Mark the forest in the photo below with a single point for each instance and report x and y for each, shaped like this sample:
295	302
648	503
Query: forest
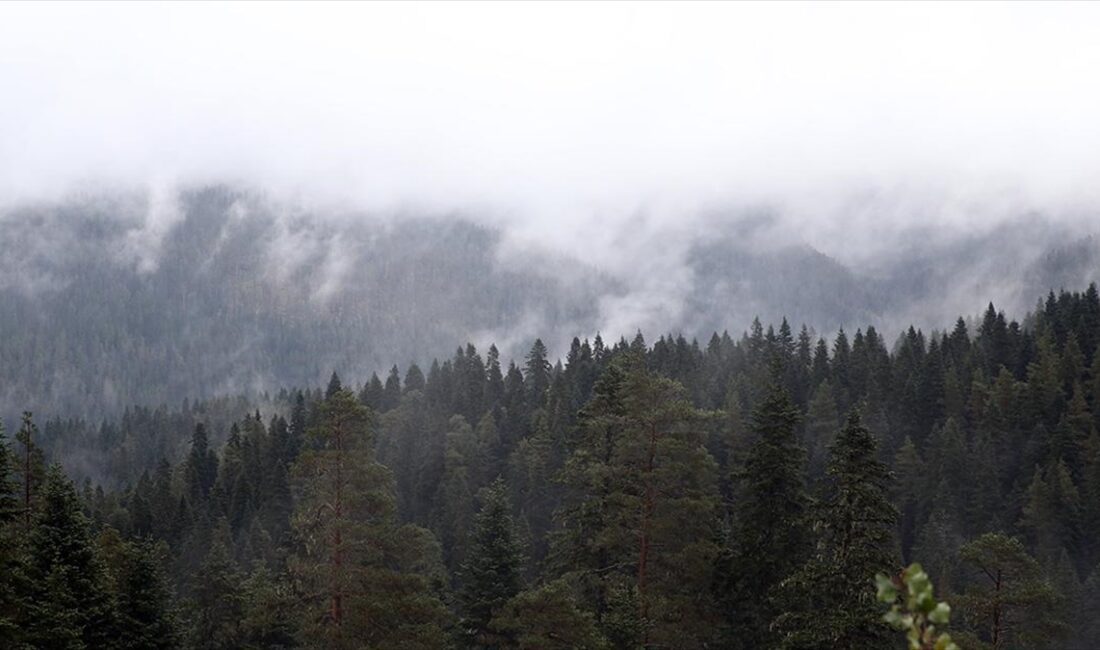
743	493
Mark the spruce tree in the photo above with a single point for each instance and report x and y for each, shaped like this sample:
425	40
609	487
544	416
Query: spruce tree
70	606
10	507
216	601
536	373
32	468
772	538
547	618
454	500
491	574
829	601
146	617
14	586
268	615
201	468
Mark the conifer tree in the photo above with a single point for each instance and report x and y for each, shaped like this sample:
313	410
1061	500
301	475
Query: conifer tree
822	423
216	596
334	385
771	520
201	469
391	393
146	617
32	468
642	516
70	605
268	615
10	501
454	500
366	578
13	583
536	372
491	574
547	618
829	601
1009	598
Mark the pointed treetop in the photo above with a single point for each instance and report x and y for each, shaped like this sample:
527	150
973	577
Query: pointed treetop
334	385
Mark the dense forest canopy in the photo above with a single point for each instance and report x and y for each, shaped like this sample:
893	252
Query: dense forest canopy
737	493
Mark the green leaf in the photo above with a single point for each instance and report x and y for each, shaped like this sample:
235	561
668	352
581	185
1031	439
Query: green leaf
887	590
941	614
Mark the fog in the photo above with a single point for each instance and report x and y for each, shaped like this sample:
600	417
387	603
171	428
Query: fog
942	150
554	112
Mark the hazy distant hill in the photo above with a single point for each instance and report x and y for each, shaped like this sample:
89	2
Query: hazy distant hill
101	310
151	299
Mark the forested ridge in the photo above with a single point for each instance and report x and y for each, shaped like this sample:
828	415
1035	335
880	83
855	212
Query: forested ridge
151	297
740	493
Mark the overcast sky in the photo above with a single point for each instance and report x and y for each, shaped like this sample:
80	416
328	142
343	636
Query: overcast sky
559	111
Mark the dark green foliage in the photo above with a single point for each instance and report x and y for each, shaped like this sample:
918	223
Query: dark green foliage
145	616
217	597
217	521
641	513
829	602
771	519
31	468
1008	599
547	618
366	578
491	574
201	470
14	585
71	605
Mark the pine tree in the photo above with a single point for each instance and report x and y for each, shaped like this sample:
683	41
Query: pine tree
268	615
536	373
391	393
217	599
32	468
822	423
491	574
641	517
367	579
10	502
771	519
14	586
201	468
70	606
547	618
454	500
143	600
829	600
908	489
334	385
1010	600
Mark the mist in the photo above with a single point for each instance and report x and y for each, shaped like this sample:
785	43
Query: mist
544	113
658	167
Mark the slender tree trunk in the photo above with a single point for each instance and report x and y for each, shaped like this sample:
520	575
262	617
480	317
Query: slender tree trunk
996	635
337	541
648	504
27	480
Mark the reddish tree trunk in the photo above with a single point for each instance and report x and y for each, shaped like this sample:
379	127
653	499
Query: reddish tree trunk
648	505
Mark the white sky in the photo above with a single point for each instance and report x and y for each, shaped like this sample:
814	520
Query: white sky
561	111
